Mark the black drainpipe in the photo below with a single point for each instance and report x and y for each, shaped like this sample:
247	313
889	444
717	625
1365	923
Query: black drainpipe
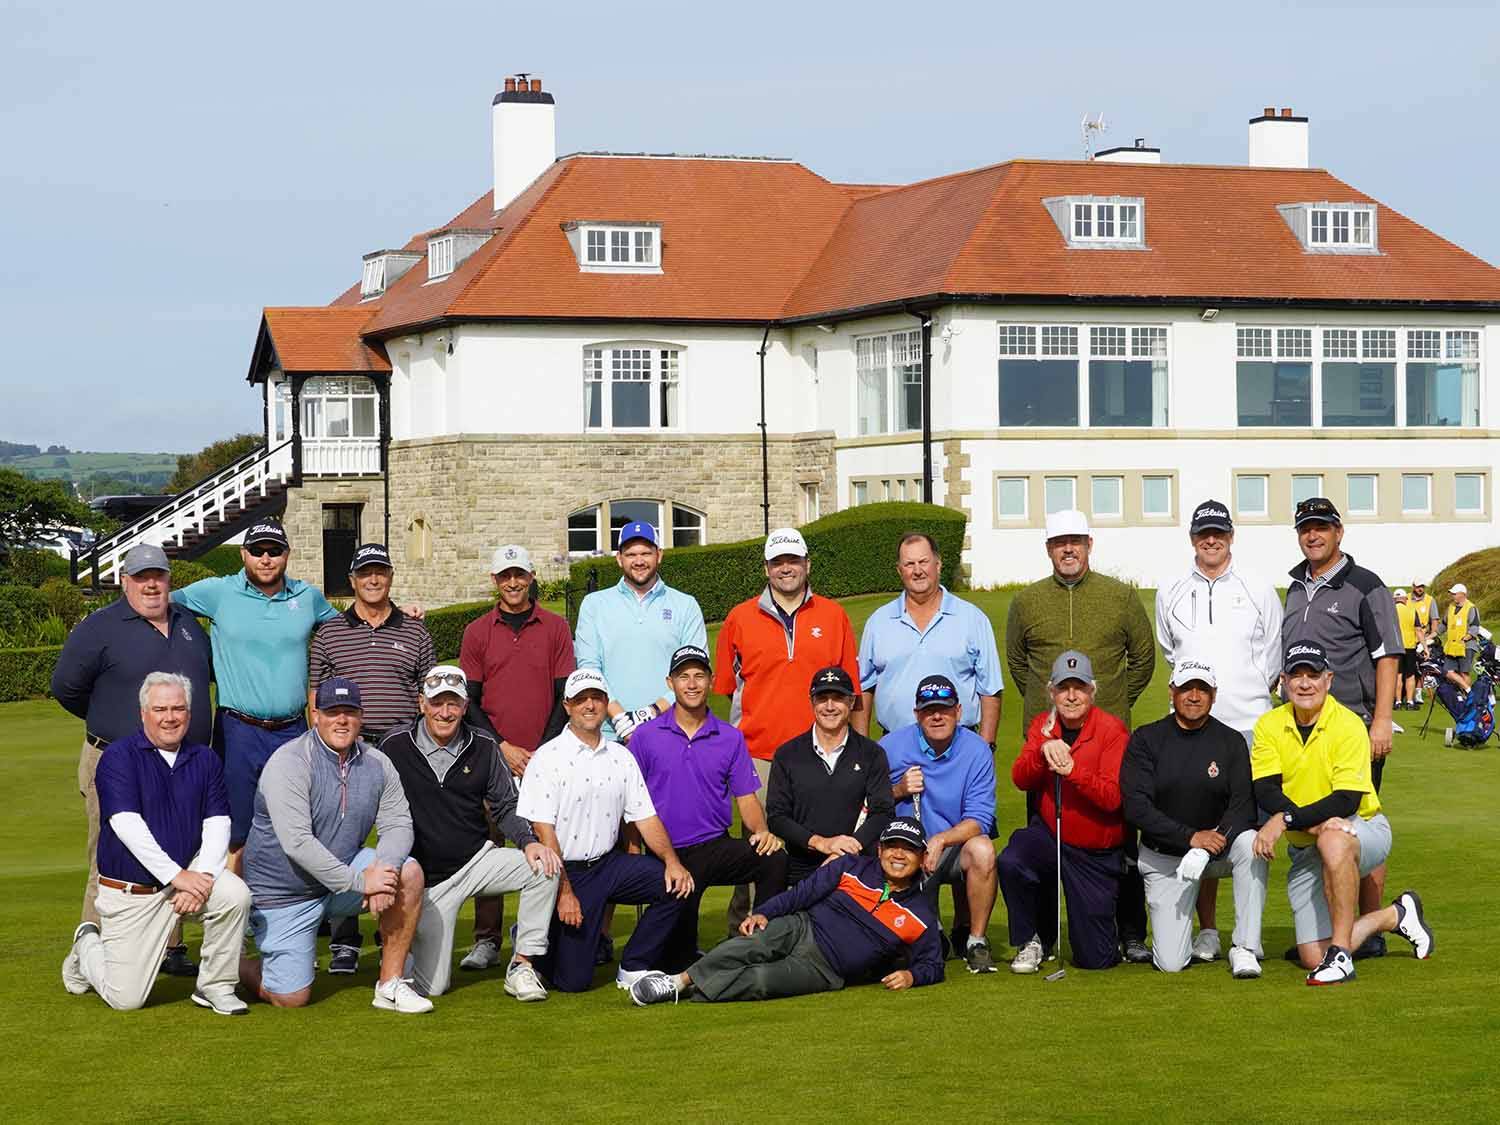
765	455
925	318
385	453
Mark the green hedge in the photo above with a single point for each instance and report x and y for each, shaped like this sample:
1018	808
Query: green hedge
222	561
26	673
447	626
853	552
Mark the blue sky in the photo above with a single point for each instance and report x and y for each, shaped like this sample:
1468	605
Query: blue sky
169	169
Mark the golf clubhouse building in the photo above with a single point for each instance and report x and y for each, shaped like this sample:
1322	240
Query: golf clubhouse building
718	343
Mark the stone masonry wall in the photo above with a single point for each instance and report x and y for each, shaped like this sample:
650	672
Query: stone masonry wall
304	520
454	499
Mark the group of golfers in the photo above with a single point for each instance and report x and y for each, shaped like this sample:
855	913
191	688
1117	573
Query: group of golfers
595	754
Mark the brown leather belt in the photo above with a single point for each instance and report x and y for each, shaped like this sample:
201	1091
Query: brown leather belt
95	741
264	724
129	888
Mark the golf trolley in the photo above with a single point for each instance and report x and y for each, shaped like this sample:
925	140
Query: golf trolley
1473	711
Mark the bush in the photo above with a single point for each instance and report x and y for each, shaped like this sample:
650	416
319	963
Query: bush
32	568
447	626
26	673
64	601
185	573
20	607
1479	571
853	552
222	561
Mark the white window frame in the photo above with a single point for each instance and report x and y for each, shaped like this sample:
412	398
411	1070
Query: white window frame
439	257
1025	513
859	493
619	248
1163	513
372	282
1089	216
1327	221
1441	345
320	390
892	376
1072	482
1119	485
1349	507
1078	341
1264	510
665	373
811	502
1482	478
1426	509
1317	478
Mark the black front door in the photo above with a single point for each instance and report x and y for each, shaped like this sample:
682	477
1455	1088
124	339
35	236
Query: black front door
340	537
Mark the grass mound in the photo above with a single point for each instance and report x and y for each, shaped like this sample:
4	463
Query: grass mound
1480	572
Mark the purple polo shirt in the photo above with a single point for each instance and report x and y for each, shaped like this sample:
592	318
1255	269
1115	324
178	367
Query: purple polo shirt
174	801
692	781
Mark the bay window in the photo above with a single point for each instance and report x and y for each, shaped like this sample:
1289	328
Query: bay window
631	386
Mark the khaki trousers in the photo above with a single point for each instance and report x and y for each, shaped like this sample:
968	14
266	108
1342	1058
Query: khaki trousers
122	960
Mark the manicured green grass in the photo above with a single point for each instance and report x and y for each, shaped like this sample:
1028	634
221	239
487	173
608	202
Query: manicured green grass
1409	1040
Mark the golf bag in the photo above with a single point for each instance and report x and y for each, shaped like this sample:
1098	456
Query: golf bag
1473	711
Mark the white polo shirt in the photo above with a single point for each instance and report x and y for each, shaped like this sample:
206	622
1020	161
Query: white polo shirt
583	793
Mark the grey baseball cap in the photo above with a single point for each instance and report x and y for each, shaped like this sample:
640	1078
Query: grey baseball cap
145	556
1072	665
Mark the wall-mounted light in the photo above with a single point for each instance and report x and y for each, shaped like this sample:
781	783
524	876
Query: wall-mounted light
1208	316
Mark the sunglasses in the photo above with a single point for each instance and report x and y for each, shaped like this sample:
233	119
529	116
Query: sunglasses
261	550
444	679
936	695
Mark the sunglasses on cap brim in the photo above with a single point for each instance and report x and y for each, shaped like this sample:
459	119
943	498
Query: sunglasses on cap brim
929	696
453	680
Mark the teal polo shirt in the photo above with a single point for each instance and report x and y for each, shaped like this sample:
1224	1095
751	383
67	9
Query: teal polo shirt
630	640
259	643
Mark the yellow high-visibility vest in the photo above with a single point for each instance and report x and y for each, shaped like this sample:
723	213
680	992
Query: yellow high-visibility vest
1458	625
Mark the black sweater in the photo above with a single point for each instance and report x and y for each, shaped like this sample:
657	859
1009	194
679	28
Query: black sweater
804	800
1175	782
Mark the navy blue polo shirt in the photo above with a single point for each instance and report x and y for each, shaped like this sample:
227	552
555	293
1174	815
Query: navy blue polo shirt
107	655
174	801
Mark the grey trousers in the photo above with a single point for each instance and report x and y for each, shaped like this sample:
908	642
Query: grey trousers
1171	900
780	960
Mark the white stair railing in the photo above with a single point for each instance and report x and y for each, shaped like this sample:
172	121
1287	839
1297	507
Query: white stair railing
210	501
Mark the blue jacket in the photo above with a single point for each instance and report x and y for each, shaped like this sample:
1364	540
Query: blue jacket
862	937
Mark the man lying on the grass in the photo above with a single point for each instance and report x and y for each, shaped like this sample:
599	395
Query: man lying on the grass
856	919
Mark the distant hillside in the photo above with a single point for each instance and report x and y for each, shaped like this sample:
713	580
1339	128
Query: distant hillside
96	474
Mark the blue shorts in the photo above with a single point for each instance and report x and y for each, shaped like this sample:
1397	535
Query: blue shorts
245	749
287	936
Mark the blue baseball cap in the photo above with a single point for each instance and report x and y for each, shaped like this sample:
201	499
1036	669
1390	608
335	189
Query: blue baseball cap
638	530
336	691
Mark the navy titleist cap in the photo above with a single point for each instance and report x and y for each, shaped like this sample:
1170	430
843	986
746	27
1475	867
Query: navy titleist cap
267	531
1308	654
1210	516
834	679
369	554
1316	509
337	691
936	691
638	530
905	830
688	654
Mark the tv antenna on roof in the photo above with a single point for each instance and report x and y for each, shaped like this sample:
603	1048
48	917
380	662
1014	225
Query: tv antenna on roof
1090	130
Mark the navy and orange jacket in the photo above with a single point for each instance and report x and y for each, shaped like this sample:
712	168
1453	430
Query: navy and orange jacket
1091	814
862	937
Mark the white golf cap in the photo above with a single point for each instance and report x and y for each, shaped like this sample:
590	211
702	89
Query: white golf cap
1068	522
1186	671
511	557
584	679
1458	588
445	679
785	541
1399	594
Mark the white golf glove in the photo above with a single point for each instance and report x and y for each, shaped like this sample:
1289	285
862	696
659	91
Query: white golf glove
1192	865
624	724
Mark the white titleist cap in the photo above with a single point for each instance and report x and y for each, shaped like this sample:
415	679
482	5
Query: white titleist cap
1186	671
785	541
582	680
1068	522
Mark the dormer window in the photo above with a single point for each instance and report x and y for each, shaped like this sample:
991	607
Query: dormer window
615	247
1333	228
440	257
382	268
1100	222
449	249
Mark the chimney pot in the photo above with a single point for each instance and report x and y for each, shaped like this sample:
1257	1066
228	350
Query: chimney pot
1286	111
1269	111
510	85
536	87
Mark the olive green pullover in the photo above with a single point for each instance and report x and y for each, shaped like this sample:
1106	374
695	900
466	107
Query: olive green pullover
1102	618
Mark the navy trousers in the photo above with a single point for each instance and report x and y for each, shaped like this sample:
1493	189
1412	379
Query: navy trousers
620	877
1091	880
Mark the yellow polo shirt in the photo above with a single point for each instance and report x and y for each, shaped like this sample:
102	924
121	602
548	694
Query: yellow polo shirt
1406	616
1335	756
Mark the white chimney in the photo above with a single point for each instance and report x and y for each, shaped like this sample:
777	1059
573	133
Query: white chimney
1278	140
1138	153
525	136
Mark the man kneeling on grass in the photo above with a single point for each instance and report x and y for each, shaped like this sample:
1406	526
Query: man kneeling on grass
1311	765
855	919
305	860
456	783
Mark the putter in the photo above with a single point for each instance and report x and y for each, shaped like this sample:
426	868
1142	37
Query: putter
1057	804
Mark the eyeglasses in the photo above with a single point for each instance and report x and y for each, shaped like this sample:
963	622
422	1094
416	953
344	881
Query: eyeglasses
444	679
936	693
261	550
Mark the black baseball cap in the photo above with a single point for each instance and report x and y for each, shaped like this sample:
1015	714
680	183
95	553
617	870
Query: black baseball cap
936	691
1308	654
267	531
905	830
1211	516
832	678
688	654
370	554
1316	509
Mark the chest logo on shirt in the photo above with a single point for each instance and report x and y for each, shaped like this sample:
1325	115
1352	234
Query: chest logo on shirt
817	630
186	635
856	767
1213	769
666	615
466	769
398	646
1333	607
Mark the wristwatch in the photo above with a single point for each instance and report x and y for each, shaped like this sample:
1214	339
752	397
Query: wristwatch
1286	819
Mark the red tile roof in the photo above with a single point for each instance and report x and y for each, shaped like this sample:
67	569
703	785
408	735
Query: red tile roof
320	340
757	240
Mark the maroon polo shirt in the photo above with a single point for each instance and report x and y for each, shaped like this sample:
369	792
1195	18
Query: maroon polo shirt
518	670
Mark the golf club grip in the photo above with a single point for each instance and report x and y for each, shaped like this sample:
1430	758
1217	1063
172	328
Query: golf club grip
916	805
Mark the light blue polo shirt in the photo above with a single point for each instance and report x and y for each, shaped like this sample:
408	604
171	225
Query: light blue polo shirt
894	656
259	643
958	784
630	640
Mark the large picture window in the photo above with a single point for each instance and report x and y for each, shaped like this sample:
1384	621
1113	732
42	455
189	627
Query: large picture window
1041	365
631	387
1442	378
587	533
1038	375
1359	376
1273	376
1127	376
339	408
888	377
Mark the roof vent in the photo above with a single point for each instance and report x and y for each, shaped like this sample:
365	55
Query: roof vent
1138	153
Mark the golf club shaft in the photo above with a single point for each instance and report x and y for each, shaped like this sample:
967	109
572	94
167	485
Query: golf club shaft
1057	805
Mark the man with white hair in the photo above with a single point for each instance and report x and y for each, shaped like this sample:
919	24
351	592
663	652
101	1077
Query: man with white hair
163	846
